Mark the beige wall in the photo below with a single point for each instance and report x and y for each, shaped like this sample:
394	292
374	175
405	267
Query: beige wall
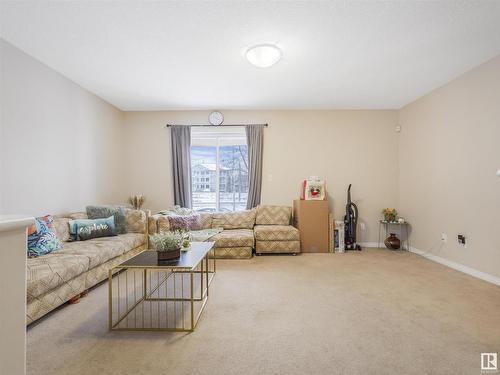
60	145
62	148
358	147
449	153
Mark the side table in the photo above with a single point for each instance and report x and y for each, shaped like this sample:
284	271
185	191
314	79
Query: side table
387	224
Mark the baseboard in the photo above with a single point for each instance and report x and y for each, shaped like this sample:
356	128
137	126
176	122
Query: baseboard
368	244
457	266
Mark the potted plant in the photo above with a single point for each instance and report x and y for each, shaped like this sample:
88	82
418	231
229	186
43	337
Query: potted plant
167	245
390	214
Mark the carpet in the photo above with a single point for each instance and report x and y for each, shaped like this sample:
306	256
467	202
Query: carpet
370	312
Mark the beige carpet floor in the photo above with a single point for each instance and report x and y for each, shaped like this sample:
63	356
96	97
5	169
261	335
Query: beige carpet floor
372	312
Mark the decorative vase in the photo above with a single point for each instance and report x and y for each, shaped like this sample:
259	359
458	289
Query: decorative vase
392	242
169	255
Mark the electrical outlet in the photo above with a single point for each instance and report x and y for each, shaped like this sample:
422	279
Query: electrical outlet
444	237
461	240
362	226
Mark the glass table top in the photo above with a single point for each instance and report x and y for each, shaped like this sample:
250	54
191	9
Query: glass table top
189	259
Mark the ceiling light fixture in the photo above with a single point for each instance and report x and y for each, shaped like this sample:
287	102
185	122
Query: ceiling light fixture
263	55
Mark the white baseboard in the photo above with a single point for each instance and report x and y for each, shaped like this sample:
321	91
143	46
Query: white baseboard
369	244
457	266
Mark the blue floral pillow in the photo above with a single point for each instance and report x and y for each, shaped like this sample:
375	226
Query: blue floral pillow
42	238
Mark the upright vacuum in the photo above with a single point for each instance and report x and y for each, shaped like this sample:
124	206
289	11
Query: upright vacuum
351	222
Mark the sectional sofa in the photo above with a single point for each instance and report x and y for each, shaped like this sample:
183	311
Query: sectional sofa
69	272
64	274
265	229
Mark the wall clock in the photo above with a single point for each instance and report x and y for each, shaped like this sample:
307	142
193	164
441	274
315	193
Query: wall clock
215	118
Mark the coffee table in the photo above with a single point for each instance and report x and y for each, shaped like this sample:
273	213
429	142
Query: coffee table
150	295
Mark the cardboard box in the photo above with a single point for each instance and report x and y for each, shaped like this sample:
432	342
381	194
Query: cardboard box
311	219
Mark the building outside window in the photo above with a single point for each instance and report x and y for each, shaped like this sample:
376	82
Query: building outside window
219	168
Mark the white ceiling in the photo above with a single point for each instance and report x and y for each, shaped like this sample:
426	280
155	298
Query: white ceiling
145	55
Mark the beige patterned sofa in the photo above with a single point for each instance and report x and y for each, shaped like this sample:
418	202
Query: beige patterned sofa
55	278
265	229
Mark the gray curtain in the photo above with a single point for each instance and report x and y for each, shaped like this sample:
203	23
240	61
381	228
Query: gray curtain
180	136
255	142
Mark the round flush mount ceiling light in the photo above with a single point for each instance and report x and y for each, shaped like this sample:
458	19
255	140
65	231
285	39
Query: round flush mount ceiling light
263	55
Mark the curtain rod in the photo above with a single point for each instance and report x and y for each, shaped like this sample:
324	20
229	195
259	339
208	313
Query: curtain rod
215	126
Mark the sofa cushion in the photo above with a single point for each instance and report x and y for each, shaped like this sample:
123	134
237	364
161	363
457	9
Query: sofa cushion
163	224
234	238
206	220
277	247
273	215
95	253
126	241
276	233
152	224
136	221
78	215
231	252
61	226
234	220
50	271
100	250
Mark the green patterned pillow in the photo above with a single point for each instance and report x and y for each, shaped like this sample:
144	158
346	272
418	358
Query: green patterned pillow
101	212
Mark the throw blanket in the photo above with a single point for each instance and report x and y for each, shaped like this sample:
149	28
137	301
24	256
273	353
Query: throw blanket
204	234
179	211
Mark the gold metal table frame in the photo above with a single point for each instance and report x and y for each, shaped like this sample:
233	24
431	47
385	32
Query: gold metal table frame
146	295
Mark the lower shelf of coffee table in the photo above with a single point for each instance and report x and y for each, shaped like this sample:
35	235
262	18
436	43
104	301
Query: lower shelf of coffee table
159	299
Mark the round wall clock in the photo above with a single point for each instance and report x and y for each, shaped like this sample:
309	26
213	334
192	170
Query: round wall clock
215	118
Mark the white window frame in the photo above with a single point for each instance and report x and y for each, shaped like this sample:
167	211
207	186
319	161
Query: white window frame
217	137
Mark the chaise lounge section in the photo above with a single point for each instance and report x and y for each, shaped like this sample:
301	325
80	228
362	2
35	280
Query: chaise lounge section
64	274
273	232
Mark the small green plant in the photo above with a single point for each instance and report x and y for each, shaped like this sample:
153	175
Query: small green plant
168	241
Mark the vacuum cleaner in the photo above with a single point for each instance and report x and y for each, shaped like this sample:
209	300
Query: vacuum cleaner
351	222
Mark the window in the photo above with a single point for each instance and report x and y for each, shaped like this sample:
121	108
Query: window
221	156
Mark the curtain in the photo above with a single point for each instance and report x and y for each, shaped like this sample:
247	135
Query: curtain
180	137
255	142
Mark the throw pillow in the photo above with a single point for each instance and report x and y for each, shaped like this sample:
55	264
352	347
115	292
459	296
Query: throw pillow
273	215
184	223
86	229
61	228
42	238
101	212
234	220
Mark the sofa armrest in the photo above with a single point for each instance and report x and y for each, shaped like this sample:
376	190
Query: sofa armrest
152	224
158	223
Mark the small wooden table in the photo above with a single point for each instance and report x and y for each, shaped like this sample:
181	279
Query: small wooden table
151	295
